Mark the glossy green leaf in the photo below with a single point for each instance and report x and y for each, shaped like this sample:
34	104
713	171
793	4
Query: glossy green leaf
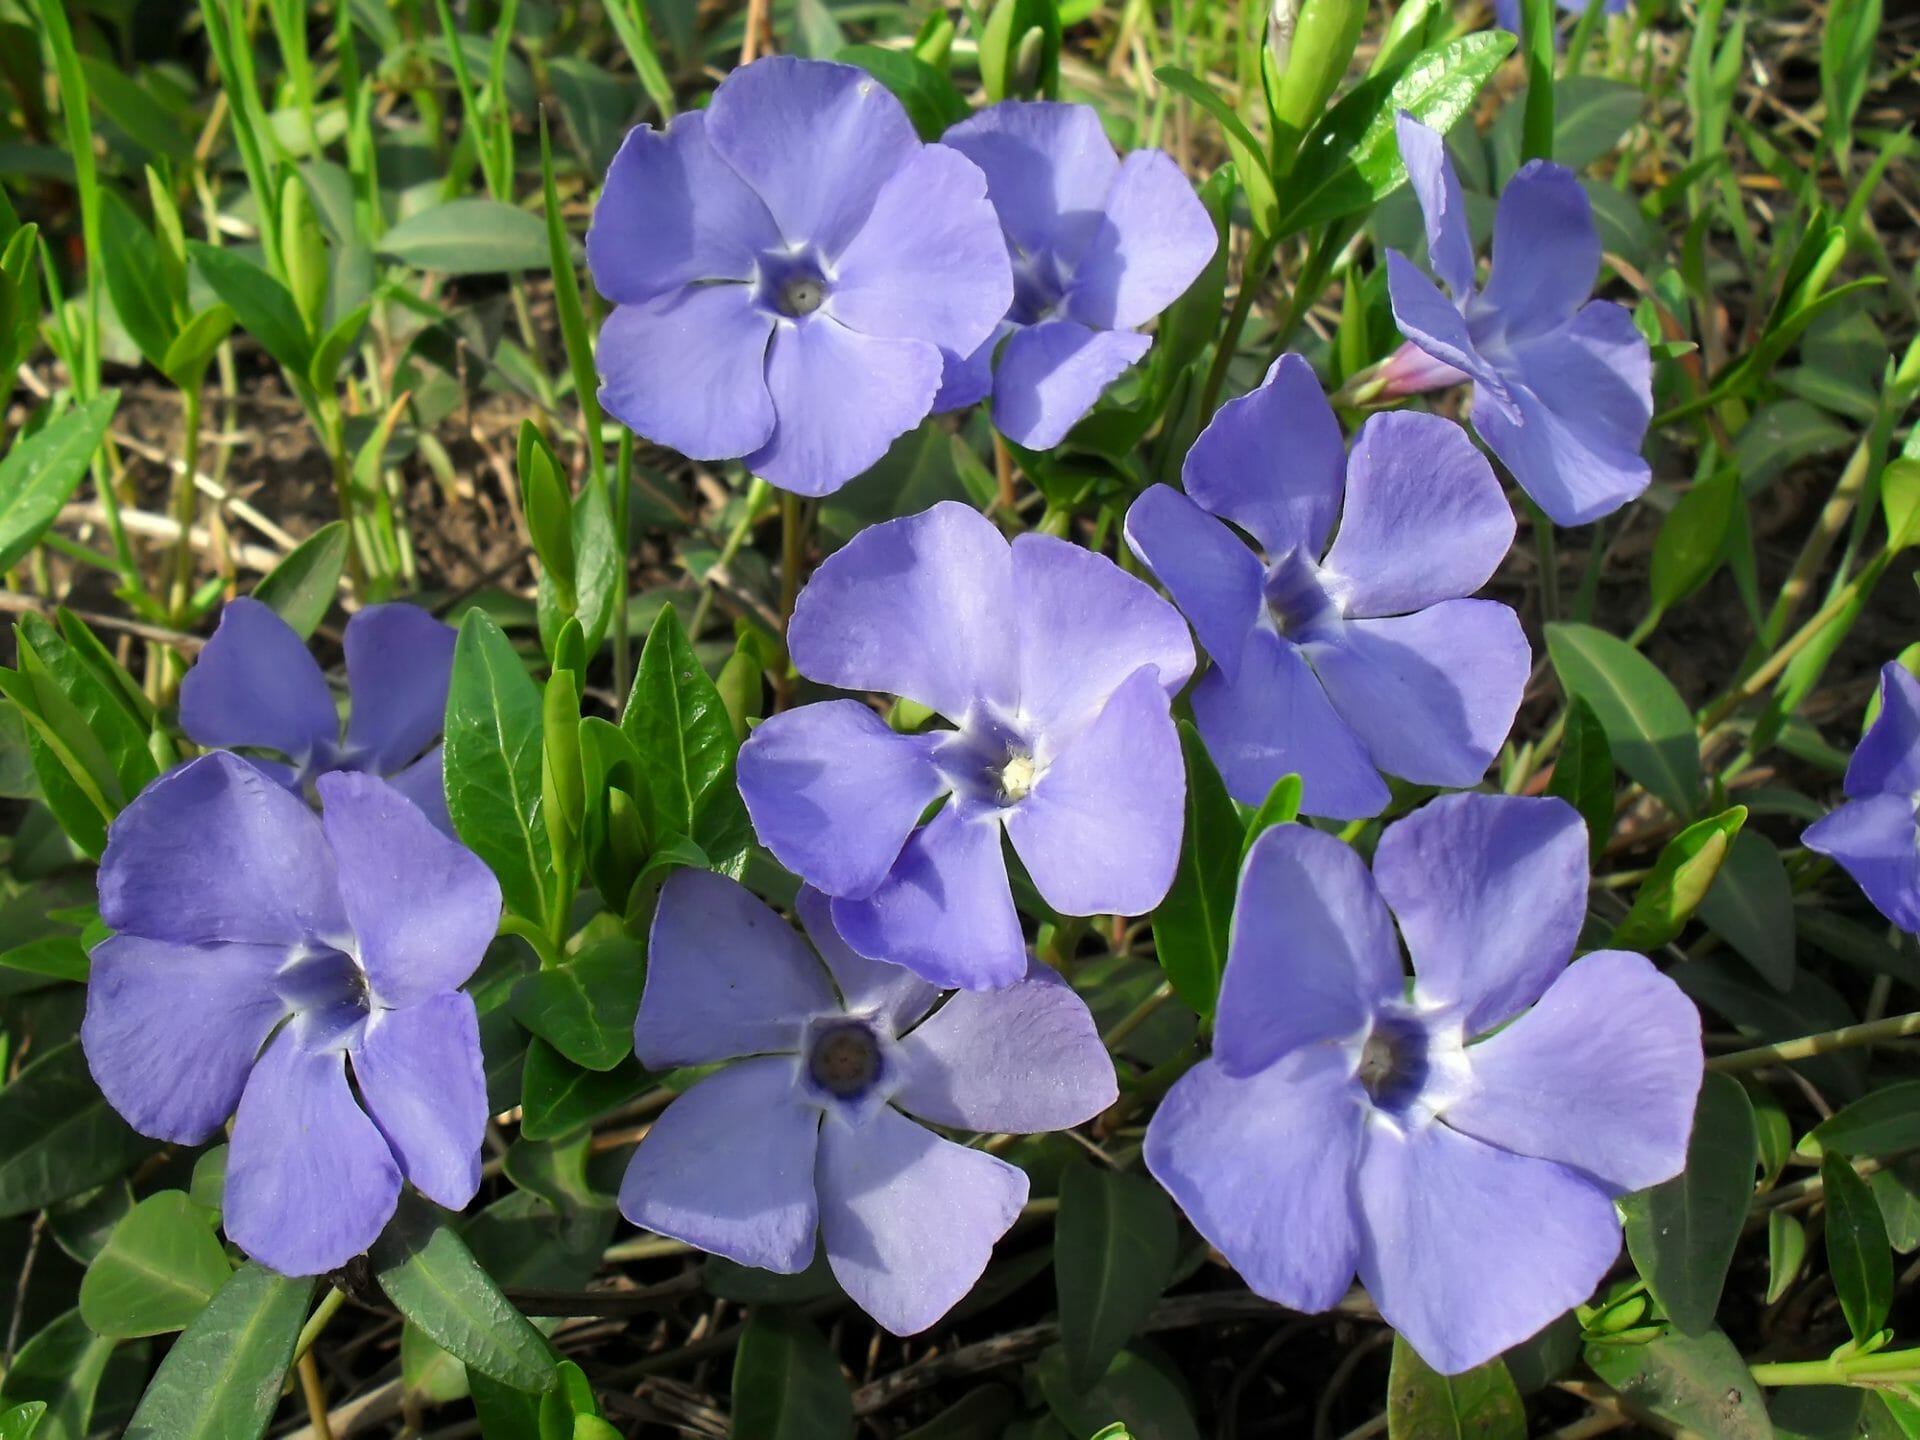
301	588
40	473
187	358
492	764
261	305
1583	773
62	1136
1696	1382
1114	1251
679	728
222	1378
558	1097
930	99
160	1267
1786	1252
1192	925
1858	1252
22	1422
1897	1188
136	278
787	1384
1480	1404
1682	1232
1281	807
585	1006
469	236
1678	882
1647	723
1885	1122
433	1280
1750	906
60	1367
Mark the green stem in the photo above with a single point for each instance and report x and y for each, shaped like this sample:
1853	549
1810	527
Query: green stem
1872	1032
329	1305
756	497
185	506
542	943
1889	1367
1252	275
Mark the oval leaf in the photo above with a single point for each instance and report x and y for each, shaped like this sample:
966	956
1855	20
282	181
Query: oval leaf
1481	1404
222	1378
1647	723
469	236
492	764
40	473
1114	1251
1857	1248
301	587
787	1384
160	1267
1191	927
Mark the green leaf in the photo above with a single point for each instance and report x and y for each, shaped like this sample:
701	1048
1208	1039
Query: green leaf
1682	1232
1647	723
1786	1252
1884	1122
1696	1382
222	1378
1693	538
1897	1188
60	1367
433	1280
1281	807
62	1136
19	1422
1583	773
1750	906
136	278
301	588
336	344
930	99
469	236
1249	156
40	473
1480	1404
95	703
787	1384
261	304
492	764
585	1006
186	360
62	957
1678	882
558	1097
1114	1252
160	1267
1134	1391
1192	926
1858	1252
1351	157
679	728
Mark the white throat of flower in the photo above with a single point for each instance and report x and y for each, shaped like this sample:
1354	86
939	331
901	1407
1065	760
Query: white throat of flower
1018	777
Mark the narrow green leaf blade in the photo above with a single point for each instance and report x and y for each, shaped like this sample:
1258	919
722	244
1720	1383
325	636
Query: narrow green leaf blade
1858	1252
40	473
1192	926
261	305
302	586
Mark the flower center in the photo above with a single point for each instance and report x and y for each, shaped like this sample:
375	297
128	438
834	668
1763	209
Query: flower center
1017	777
843	1058
328	993
990	762
1039	289
792	284
1394	1065
801	295
1296	596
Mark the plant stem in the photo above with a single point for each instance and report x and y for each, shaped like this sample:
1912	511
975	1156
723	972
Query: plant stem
756	497
185	506
1872	1032
1890	1367
1252	275
315	1395
329	1305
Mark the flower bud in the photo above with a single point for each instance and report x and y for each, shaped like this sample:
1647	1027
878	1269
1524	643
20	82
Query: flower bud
1309	43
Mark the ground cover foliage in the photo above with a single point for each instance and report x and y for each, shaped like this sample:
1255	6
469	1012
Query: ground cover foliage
548	657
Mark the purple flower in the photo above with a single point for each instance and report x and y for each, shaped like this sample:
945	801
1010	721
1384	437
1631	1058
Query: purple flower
1506	13
1563	386
1339	662
245	921
811	1132
256	687
1100	246
1875	836
1055	668
787	266
1346	1122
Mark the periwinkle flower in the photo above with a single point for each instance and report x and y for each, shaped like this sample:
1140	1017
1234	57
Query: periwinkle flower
1506	13
1875	836
1339	662
1100	245
814	1131
1055	668
787	266
260	950
1562	384
1459	1149
256	687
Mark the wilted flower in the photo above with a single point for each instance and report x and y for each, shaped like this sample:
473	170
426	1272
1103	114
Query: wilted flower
244	920
811	1132
255	687
1339	663
1345	1122
1100	246
787	266
1875	836
1055	668
1562	385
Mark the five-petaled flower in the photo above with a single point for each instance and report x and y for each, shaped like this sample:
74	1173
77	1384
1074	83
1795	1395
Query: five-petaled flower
243	920
1345	1122
1339	663
1875	835
1056	669
256	687
787	267
1100	246
1562	384
810	1132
